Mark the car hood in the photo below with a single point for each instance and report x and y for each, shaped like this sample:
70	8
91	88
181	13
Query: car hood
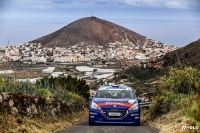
109	103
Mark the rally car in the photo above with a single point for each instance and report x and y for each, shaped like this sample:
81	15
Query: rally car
115	104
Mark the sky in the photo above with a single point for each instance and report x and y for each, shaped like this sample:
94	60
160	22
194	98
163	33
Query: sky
174	22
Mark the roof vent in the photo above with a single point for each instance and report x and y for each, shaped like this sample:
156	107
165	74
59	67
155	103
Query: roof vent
115	86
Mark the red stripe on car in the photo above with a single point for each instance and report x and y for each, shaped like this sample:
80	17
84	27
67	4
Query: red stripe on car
114	103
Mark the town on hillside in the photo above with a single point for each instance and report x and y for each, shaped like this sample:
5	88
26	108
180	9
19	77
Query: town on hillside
81	52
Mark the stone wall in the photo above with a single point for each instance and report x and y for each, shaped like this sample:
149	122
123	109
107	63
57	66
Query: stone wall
18	103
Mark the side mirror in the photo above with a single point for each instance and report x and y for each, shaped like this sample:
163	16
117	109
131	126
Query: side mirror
139	99
90	98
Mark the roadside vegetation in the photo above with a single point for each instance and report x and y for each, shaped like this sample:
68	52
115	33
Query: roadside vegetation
176	102
61	87
67	89
178	94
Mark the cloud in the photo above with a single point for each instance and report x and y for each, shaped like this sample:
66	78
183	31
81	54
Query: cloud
69	1
175	5
133	2
142	2
58	1
178	4
41	7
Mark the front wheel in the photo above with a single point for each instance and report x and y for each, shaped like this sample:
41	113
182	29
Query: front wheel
90	123
138	124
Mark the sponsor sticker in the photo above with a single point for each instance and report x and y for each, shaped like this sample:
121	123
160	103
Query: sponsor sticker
114	103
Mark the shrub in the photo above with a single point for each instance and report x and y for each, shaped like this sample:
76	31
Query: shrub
62	84
174	88
44	93
45	87
166	101
73	98
181	81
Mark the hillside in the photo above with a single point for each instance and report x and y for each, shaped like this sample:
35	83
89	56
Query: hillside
90	31
186	56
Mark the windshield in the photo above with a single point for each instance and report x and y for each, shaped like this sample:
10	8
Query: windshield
115	94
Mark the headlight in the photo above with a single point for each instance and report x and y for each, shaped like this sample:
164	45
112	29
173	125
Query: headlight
134	107
95	106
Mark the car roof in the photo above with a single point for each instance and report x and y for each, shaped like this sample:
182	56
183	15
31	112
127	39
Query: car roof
116	87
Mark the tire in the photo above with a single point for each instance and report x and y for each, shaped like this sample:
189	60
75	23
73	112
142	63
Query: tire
90	123
138	124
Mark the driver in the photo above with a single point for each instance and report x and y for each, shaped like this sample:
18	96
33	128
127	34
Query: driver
123	94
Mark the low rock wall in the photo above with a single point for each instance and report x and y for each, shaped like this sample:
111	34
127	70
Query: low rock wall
18	103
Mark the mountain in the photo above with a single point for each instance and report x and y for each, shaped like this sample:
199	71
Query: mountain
90	31
186	56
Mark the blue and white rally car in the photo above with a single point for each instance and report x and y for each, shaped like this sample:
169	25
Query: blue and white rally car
116	104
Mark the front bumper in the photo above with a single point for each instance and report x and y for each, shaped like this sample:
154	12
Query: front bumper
130	117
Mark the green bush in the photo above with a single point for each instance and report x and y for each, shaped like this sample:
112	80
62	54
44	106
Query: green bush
173	89
10	84
45	87
73	98
62	84
44	93
185	80
166	101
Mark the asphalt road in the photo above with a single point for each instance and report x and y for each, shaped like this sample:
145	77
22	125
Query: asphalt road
83	127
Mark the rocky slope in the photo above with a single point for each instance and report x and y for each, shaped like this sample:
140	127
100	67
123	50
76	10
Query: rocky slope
26	105
90	31
186	56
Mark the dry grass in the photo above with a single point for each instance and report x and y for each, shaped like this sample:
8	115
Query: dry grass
169	122
20	124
